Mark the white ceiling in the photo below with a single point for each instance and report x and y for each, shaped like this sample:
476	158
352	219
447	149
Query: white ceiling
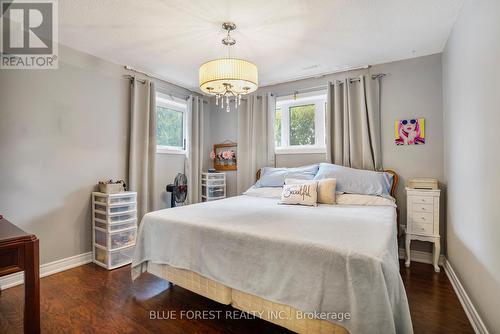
287	39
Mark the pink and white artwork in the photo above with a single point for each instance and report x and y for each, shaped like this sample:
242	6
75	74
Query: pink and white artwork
409	131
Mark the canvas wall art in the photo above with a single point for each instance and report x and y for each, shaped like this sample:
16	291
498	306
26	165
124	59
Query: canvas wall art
409	131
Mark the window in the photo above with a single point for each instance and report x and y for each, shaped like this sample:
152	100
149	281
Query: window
170	124
299	124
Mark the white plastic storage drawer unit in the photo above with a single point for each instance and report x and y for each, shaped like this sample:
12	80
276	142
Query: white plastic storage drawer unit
213	186
114	228
115	240
113	259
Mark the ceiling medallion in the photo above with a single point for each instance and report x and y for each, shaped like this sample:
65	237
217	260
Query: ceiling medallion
228	78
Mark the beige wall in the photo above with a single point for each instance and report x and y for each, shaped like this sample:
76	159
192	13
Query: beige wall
60	132
412	88
471	75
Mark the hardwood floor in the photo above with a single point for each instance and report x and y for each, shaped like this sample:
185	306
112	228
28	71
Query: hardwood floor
89	299
434	306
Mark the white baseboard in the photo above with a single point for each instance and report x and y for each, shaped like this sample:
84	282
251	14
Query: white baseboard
47	269
471	312
422	257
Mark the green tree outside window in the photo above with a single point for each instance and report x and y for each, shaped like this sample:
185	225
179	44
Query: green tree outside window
302	125
169	127
277	127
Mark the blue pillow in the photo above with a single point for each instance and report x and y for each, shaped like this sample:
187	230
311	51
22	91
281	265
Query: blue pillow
275	177
357	181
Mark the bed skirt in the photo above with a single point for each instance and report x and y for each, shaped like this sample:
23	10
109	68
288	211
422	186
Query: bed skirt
279	314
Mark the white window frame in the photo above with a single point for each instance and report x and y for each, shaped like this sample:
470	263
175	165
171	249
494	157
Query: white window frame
287	102
179	105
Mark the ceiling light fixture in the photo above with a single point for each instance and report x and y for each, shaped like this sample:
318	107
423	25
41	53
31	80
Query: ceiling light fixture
228	78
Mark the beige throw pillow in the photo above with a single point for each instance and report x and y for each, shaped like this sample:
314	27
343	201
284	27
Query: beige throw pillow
303	194
326	189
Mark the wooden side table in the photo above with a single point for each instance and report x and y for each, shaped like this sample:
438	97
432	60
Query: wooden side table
19	252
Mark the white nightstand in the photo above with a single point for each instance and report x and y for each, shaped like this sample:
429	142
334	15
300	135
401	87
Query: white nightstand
423	220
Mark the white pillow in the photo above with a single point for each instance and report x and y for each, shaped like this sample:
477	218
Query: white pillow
303	194
358	199
264	192
326	189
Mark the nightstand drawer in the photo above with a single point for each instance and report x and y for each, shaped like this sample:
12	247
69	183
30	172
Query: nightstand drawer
422	228
422	207
422	200
422	217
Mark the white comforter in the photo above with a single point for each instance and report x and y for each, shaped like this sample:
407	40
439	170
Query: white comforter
330	258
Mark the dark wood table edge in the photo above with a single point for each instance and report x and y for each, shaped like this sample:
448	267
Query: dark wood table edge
28	244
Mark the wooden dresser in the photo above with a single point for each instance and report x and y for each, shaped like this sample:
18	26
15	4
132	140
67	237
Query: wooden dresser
19	252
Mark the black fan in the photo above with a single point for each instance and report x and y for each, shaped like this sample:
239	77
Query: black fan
178	189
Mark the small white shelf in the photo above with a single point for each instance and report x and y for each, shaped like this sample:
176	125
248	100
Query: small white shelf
213	186
114	228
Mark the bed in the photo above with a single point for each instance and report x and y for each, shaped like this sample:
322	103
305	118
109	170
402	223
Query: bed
325	269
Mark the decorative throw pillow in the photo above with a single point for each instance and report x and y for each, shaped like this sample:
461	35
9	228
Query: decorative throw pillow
303	194
326	189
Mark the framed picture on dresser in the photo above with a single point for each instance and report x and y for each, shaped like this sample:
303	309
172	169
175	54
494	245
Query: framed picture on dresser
224	156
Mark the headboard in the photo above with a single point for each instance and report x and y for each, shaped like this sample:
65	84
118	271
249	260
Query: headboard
395	179
394	185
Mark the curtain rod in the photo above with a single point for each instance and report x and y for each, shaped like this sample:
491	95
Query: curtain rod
152	76
374	76
311	89
345	70
131	77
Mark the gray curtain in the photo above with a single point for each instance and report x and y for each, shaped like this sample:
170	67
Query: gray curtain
353	123
255	138
142	148
194	161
